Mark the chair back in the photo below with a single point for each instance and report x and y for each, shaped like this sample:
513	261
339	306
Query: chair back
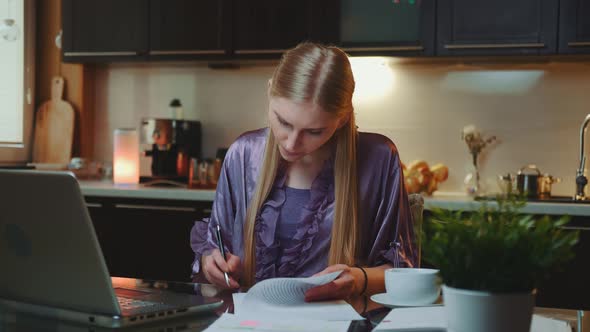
417	210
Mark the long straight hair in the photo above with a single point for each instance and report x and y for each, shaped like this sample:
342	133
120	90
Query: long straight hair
321	75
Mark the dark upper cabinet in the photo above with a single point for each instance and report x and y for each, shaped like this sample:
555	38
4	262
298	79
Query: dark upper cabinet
484	27
106	29
401	27
130	30
574	26
188	28
270	26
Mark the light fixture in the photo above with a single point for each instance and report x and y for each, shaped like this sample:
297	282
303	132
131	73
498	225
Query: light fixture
9	30
126	156
374	78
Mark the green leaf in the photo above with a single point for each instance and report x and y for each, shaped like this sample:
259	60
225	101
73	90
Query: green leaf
496	249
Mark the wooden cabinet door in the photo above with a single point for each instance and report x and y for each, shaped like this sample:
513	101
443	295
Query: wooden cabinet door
574	26
104	30
483	27
403	27
568	288
188	28
269	26
146	239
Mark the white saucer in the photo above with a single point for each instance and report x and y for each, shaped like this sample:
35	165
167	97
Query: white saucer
383	299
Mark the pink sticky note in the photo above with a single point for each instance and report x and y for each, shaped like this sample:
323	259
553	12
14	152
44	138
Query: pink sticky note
249	323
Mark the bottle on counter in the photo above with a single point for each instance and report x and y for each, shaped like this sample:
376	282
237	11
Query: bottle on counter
216	172
176	110
204	167
194	180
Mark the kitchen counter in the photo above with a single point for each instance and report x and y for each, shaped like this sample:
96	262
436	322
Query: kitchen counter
108	189
445	200
460	201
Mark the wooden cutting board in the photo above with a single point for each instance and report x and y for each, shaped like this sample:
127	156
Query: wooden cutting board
54	128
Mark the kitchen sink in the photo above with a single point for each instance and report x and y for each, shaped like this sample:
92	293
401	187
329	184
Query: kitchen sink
551	199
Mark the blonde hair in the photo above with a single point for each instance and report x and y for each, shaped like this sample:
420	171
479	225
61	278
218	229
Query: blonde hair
321	75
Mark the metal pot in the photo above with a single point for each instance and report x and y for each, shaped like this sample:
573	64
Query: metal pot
545	183
528	183
506	183
533	184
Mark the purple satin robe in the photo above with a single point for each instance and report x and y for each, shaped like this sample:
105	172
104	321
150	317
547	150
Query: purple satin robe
386	235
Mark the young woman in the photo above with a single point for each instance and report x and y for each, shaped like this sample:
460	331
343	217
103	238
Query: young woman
309	194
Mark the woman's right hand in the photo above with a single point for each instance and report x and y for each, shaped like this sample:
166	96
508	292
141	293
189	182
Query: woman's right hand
213	266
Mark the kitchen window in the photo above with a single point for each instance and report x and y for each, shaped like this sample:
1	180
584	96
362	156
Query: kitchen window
17	79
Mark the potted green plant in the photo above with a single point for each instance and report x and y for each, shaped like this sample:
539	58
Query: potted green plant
491	262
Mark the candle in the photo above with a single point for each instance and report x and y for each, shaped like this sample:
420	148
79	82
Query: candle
126	156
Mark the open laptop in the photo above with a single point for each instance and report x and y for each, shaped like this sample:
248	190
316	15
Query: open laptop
52	265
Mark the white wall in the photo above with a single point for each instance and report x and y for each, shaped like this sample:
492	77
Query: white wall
535	109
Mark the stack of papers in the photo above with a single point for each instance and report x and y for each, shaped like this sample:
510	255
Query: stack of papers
432	319
424	319
229	322
278	304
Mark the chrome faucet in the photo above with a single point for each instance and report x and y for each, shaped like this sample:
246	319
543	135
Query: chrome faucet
581	180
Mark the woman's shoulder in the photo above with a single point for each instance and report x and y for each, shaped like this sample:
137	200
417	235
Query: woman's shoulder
252	138
376	145
247	144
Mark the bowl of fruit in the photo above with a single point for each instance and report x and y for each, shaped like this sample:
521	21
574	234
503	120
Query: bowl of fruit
419	177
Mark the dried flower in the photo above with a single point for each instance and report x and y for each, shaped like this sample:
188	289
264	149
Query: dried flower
475	142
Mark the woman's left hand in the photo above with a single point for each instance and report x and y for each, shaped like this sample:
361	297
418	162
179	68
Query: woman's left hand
343	287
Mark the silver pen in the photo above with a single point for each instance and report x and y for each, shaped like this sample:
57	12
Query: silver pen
222	250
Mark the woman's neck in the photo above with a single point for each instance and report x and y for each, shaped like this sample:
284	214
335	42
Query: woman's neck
302	173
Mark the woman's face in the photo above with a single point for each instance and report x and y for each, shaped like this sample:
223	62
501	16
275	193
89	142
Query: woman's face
300	129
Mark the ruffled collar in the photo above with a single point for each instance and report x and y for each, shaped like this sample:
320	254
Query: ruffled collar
267	246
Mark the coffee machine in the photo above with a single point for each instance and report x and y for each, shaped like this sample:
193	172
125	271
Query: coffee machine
173	143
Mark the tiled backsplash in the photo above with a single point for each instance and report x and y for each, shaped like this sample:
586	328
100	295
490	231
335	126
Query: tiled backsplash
534	109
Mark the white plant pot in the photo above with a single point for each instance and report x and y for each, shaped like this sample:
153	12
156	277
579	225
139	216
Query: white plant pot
469	311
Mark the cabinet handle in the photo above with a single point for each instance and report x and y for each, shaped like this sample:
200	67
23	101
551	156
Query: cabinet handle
273	51
100	53
93	205
385	48
155	207
480	46
579	44
207	211
187	52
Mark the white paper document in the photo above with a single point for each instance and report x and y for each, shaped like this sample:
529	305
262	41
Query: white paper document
433	319
423	319
284	298
229	323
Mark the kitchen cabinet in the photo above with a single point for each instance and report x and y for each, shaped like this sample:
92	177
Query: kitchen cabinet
104	30
387	27
139	30
269	27
574	26
187	29
184	29
569	288
146	238
143	30
501	27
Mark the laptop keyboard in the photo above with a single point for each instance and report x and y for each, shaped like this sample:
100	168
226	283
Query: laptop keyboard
130	304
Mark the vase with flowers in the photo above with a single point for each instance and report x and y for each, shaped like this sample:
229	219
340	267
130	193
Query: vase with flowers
476	143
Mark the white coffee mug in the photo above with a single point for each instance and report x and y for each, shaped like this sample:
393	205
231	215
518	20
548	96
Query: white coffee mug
412	286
